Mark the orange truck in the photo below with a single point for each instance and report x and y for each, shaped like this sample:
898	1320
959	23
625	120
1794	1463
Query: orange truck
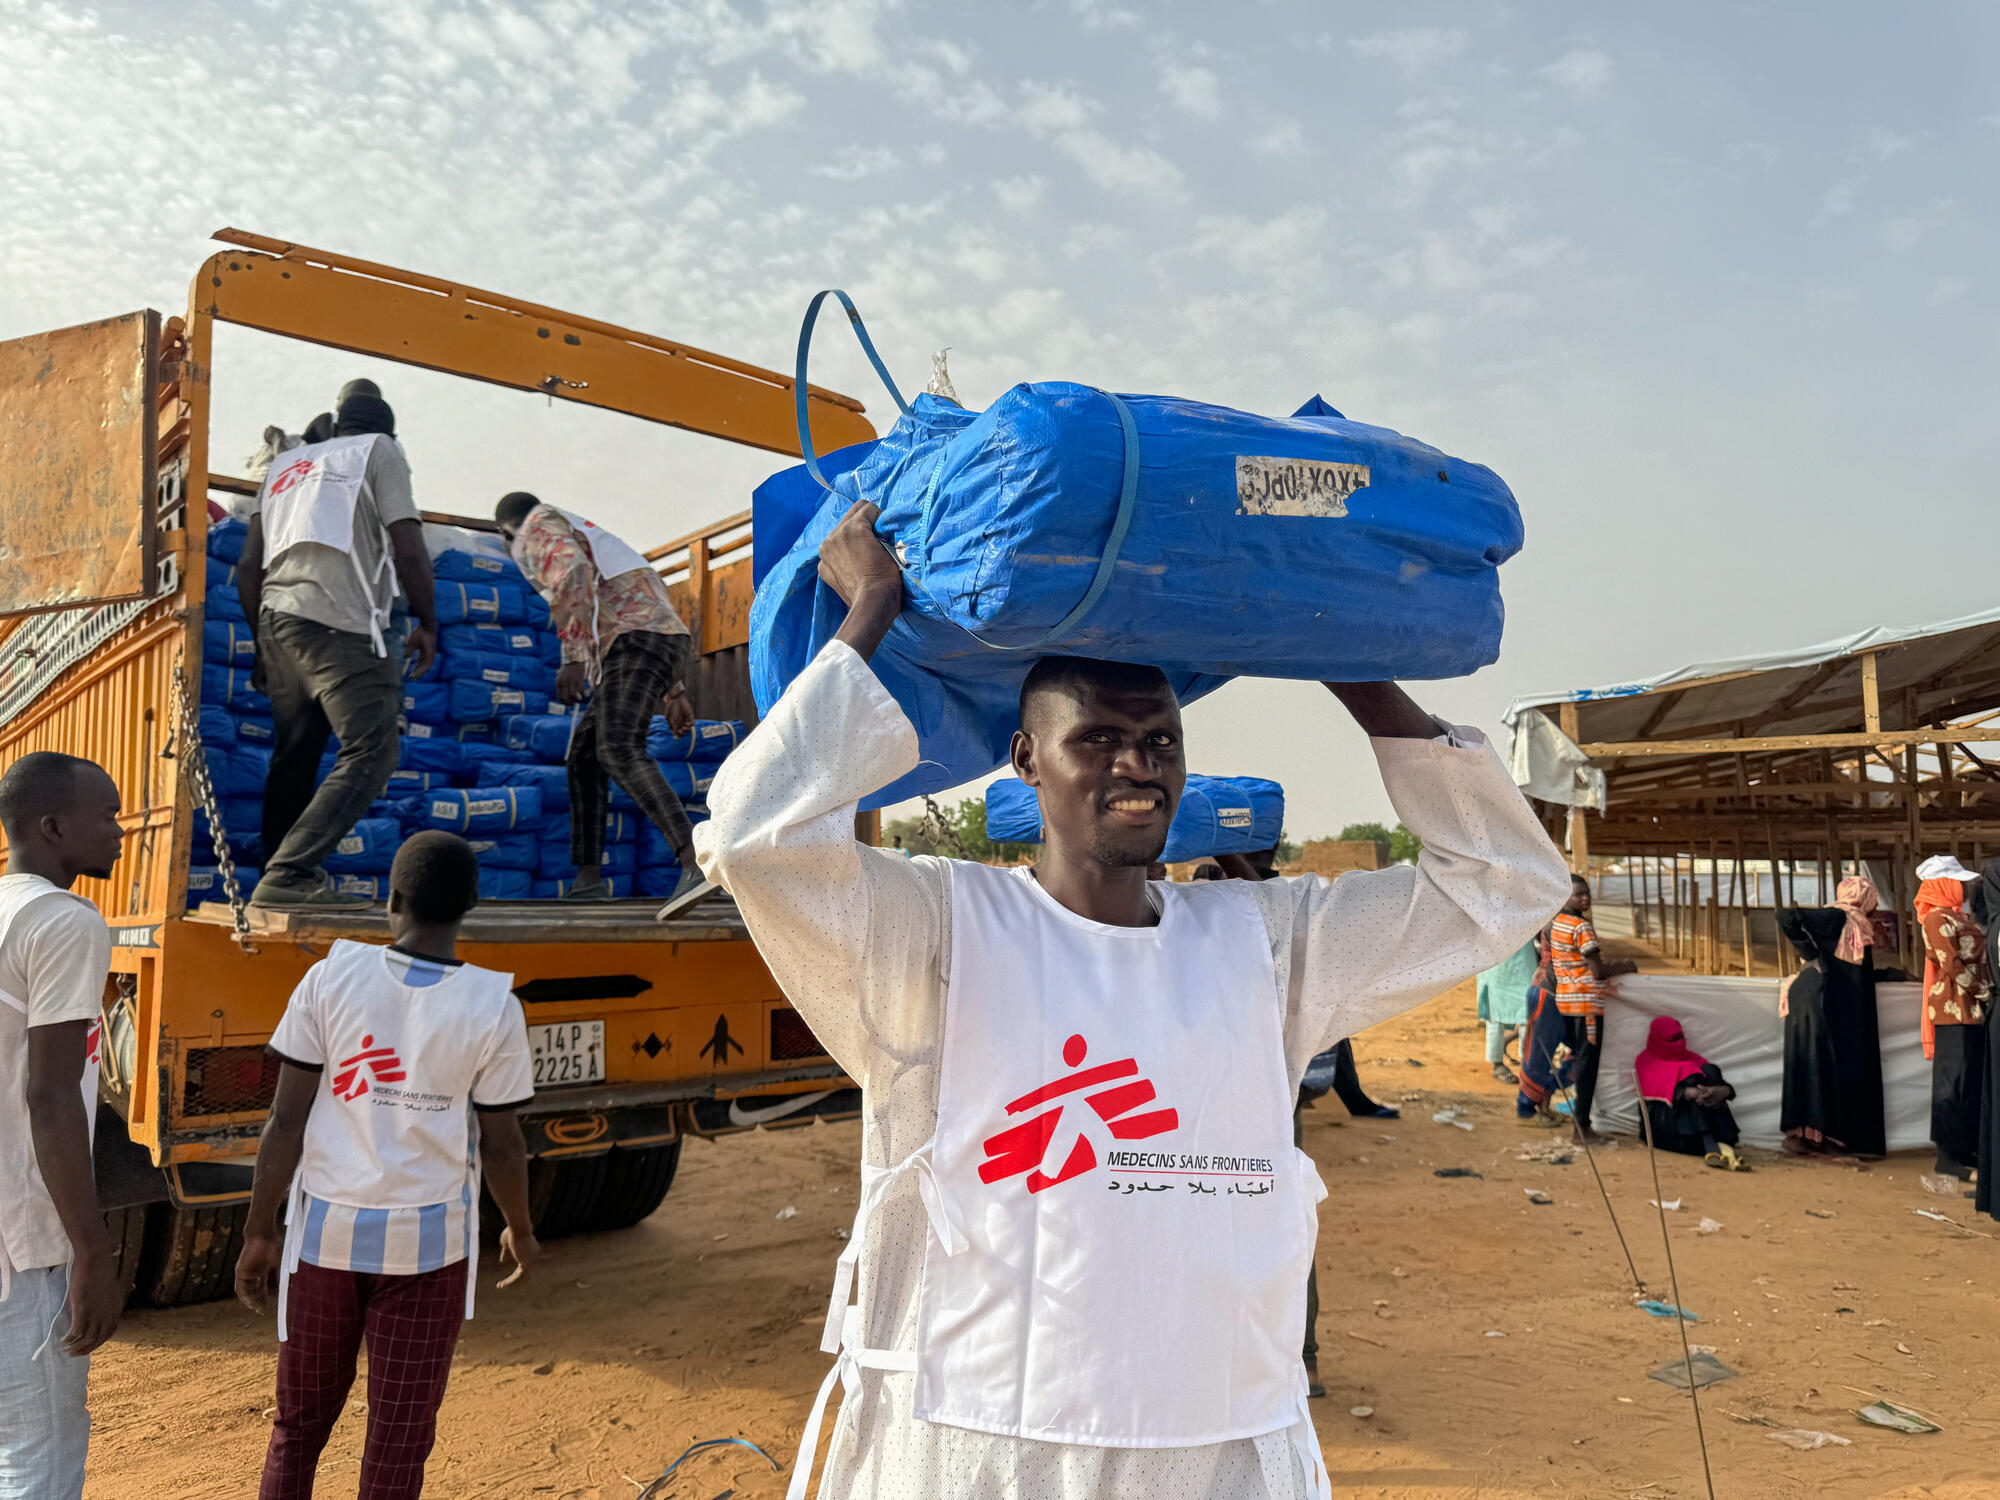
645	1032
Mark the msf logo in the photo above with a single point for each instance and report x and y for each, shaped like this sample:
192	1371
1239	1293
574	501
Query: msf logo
289	476
379	1064
1023	1147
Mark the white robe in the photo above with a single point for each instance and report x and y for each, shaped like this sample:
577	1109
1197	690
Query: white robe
859	939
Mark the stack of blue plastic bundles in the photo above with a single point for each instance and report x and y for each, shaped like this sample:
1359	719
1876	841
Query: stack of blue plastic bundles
515	850
368	848
1217	815
480	604
484	810
228	643
205	882
229	687
1209	542
497	640
497	883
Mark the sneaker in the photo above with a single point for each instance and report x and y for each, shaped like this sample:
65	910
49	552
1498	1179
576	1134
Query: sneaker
687	891
320	895
587	888
1314	1388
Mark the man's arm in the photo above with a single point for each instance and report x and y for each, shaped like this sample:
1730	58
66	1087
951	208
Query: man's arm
278	1155
250	570
413	572
854	935
503	1160
1374	943
60	1129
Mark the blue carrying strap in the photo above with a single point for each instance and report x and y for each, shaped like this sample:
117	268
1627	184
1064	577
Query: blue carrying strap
1128	489
799	374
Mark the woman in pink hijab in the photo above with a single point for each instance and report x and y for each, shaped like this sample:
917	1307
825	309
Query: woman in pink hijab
1686	1099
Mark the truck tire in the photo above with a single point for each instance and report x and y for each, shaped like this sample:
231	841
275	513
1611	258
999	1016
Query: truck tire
636	1180
127	1228
564	1192
191	1252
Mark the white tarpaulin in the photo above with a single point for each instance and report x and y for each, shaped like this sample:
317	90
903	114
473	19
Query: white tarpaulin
1547	765
1734	1023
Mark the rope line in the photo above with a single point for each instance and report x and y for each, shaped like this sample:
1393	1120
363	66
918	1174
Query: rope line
1674	1281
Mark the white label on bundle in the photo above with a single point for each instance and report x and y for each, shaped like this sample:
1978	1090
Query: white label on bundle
1233	817
442	809
495	674
485	564
352	844
521	642
485	805
510	700
1295	486
416	731
710	731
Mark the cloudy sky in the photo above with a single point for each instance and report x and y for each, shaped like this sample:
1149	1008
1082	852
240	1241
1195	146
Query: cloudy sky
1711	285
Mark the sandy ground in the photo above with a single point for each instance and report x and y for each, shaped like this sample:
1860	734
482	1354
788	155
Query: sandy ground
1495	1340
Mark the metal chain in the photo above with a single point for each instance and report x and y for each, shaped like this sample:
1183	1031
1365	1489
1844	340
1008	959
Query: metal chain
938	830
194	766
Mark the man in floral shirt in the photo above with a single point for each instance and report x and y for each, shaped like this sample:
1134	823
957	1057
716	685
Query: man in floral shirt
1957	991
624	649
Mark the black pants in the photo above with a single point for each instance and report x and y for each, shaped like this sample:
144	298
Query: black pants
1311	1349
610	745
1583	1074
1347	1081
1958	1076
322	682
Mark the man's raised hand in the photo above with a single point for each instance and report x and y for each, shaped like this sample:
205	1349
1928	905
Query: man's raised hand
858	567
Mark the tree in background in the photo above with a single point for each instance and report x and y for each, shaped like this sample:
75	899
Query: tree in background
1398	844
968	822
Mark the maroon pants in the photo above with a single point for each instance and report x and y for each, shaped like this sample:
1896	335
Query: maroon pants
411	1326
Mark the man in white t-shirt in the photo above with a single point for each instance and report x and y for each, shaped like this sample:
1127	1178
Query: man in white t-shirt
1078	1083
59	1289
402	1068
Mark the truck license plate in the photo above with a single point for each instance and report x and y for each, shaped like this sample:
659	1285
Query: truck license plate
567	1052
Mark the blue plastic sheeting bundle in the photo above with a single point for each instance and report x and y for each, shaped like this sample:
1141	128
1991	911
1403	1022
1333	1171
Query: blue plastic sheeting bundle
616	887
553	862
500	669
442	756
483	603
513	851
369	848
205	882
455	566
405	782
482	809
707	743
225	540
472	702
619	828
498	884
1217	815
427	700
551	781
1210	542
690	783
229	643
230	686
481	759
258	729
498	639
249	769
657	882
218	726
653	848
544	736
219	600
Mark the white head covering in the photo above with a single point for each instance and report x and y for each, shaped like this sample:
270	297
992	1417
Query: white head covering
1944	867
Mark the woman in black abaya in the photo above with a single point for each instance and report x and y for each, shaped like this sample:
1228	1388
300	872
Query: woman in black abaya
1985	904
1833	1051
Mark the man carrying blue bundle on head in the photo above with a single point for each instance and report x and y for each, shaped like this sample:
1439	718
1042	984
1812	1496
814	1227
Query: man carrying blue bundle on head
1078	1083
624	649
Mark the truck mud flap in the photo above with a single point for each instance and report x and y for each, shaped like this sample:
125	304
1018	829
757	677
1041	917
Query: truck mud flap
199	1183
126	1176
707	1117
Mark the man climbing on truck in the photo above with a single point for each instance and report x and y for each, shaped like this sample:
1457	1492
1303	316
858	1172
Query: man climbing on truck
329	523
624	650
